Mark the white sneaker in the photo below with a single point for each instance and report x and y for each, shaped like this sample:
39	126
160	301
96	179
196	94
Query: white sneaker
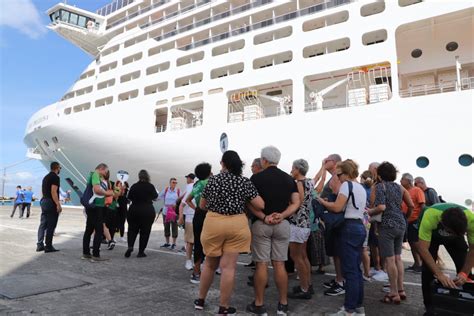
360	311
188	265
218	271
380	276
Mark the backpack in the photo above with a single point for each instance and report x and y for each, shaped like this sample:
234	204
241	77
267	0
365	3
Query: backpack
335	220
87	198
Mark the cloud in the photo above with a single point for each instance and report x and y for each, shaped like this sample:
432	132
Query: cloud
23	16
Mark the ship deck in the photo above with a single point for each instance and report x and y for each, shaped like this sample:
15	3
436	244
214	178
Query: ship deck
158	284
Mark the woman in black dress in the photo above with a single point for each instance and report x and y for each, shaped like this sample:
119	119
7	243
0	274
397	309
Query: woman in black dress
141	213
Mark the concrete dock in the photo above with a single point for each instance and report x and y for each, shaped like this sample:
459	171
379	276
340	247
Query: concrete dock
62	284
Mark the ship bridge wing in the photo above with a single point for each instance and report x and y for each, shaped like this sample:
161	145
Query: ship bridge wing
82	28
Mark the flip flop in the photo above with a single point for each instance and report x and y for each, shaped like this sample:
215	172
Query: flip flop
389	299
402	294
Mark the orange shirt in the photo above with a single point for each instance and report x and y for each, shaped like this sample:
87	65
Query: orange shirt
418	197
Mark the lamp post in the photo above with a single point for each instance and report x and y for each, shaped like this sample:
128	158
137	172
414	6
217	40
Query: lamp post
4	177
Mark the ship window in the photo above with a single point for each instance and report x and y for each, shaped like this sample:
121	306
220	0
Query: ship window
465	160
326	48
372	8
452	46
324	21
82	21
131	76
46	143
374	37
156	88
184	81
227	71
67	111
104	101
422	162
188	115
227	48
273	60
416	53
55	140
158	68
73	18
189	59
128	95
405	3
108	67
132	58
273	35
64	16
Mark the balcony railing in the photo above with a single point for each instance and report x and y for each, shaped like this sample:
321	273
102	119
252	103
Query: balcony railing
466	84
261	24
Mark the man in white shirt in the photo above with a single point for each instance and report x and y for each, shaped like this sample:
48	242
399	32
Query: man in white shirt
186	215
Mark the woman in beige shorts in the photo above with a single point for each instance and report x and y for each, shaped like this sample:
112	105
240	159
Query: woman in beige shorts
226	232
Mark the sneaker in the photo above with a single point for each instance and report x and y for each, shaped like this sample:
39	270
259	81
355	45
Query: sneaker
226	311
297	289
141	255
366	278
330	284
341	312
50	249
386	288
86	257
188	265
105	242
195	279
359	311
410	269
380	276
128	252
111	245
218	271
257	310
282	309
165	245
300	295
199	304
39	247
251	264
417	270
173	247
336	290
98	259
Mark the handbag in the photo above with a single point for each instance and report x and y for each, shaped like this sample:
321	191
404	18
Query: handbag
335	220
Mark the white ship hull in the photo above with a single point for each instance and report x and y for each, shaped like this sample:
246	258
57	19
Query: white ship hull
397	129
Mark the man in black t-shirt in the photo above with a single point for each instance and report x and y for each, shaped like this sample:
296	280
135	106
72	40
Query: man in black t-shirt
50	209
270	230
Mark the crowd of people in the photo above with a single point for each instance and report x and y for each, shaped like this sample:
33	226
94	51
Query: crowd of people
288	221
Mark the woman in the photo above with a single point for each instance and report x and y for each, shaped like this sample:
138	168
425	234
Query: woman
300	230
367	182
351	200
388	200
202	172
141	214
226	232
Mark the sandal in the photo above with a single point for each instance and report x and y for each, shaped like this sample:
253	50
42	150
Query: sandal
402	294
391	299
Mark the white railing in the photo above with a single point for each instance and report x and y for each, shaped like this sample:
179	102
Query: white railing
428	89
467	83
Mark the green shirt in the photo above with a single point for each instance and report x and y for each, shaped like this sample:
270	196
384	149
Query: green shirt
431	216
96	179
197	190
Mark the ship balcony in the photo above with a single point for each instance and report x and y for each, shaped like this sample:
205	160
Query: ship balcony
82	28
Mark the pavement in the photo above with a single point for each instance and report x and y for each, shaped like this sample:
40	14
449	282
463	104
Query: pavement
62	284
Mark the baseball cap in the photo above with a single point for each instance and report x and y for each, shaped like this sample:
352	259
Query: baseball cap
191	176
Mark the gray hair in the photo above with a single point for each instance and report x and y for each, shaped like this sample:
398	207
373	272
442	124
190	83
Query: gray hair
420	179
374	165
301	165
271	154
257	162
408	177
335	157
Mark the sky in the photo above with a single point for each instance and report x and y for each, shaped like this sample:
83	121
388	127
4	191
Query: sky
37	66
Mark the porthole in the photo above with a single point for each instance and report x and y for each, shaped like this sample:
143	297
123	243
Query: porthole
468	202
46	143
465	160
416	53
422	162
452	46
55	140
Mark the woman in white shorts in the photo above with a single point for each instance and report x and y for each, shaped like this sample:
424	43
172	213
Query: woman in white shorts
300	229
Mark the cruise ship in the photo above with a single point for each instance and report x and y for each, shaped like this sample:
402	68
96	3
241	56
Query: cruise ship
175	83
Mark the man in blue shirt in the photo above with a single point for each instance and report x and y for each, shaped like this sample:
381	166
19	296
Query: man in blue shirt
28	199
18	202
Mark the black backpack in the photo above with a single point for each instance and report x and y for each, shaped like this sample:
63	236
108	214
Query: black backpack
86	200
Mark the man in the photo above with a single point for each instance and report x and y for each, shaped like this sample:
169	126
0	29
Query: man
270	230
28	199
418	198
329	192
445	224
18	202
256	167
50	209
431	196
170	195
95	215
186	215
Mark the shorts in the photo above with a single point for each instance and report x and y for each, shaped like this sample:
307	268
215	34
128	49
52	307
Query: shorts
270	242
188	233
412	232
299	235
225	233
390	241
